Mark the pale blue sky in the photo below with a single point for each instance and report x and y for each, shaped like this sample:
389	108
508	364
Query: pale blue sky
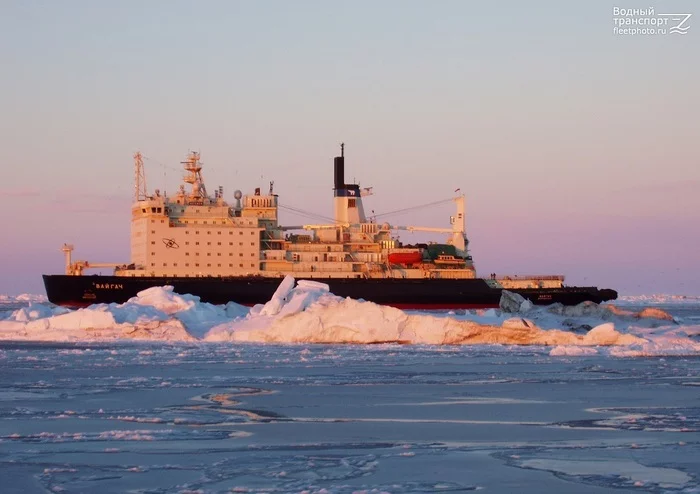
578	149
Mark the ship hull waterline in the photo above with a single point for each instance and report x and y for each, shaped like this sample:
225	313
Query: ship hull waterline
411	294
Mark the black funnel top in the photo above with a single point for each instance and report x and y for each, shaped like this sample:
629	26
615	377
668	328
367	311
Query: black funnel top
339	172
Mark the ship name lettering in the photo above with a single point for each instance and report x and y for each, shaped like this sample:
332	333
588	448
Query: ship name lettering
109	286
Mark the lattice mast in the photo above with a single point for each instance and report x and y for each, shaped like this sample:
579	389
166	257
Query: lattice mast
140	193
193	167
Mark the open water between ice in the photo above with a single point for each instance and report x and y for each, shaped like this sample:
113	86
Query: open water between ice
212	417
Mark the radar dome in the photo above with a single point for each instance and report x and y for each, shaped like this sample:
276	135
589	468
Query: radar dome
237	194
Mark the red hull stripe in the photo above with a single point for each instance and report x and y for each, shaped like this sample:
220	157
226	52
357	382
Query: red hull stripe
82	304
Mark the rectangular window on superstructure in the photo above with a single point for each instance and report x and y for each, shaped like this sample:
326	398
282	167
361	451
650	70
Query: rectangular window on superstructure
187	243
162	221
153	253
204	222
252	233
208	243
218	254
187	264
196	265
186	232
240	265
230	253
351	203
240	244
240	232
196	232
218	243
208	265
230	265
175	264
252	254
187	253
209	232
165	264
153	231
230	243
209	254
152	221
153	243
230	233
218	265
219	232
196	253
153	264
196	243
240	254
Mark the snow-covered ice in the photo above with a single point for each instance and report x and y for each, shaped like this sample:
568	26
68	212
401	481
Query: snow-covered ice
309	313
167	394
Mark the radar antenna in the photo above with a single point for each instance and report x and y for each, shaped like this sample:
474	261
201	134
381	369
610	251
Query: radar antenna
342	149
140	193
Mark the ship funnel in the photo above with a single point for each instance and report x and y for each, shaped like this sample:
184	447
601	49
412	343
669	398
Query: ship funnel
339	169
339	172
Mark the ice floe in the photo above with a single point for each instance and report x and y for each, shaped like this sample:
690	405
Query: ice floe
306	312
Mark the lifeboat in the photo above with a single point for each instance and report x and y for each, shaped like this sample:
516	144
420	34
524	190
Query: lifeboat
405	257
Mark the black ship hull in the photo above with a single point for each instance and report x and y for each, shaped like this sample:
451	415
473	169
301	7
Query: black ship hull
81	291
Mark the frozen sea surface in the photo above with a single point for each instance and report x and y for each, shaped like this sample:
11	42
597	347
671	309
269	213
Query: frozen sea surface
180	417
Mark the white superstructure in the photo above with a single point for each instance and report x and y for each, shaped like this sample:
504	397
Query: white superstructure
194	234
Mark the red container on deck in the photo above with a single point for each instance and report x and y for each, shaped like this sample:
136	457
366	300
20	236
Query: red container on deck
405	257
